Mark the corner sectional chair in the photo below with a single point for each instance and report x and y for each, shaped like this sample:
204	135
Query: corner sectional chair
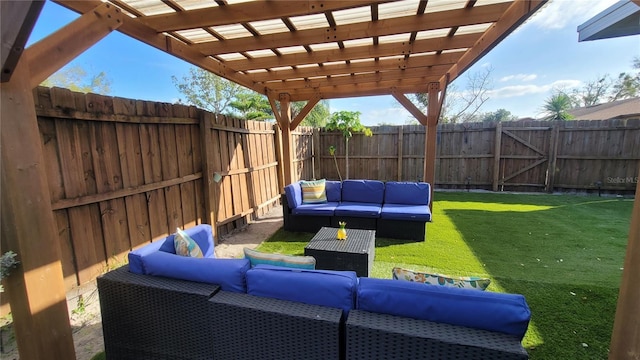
271	312
398	210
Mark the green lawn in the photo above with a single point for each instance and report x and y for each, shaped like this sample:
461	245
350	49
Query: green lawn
563	253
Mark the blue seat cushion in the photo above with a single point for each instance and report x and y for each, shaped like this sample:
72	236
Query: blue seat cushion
228	273
334	190
356	209
505	313
335	289
408	193
320	209
293	192
363	191
405	212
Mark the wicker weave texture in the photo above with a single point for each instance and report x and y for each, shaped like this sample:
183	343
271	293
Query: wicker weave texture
381	336
249	327
356	253
148	317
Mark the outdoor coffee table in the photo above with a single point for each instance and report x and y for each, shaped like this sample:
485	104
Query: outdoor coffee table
355	253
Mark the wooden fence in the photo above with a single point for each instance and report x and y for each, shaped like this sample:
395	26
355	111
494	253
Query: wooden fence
125	172
511	156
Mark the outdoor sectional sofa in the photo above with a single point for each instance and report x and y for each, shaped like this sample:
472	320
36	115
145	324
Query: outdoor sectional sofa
166	306
398	210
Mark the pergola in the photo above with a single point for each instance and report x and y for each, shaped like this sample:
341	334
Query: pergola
289	50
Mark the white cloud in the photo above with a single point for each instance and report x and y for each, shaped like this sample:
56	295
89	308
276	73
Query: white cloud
521	90
561	13
519	77
396	115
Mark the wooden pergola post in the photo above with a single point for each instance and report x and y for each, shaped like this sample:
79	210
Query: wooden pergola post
625	340
433	112
36	289
287	139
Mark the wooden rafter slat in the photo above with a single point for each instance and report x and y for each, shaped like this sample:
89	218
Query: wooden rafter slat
354	67
407	24
433	74
244	12
21	13
357	52
356	90
375	17
422	6
167	44
513	16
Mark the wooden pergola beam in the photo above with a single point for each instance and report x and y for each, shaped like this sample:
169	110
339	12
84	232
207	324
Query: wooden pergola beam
424	22
414	62
304	112
55	51
359	52
411	107
516	14
244	12
168	44
408	76
13	38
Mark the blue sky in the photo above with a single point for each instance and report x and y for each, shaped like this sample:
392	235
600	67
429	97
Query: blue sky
542	54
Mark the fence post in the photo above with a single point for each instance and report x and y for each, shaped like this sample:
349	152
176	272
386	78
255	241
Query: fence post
207	172
316	153
400	155
496	156
249	165
280	168
553	156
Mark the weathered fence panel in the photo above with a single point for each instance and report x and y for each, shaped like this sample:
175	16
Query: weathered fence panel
123	173
511	156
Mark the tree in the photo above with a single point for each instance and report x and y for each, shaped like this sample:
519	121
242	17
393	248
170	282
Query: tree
627	85
556	107
252	106
462	106
207	90
317	117
498	115
606	89
75	78
347	122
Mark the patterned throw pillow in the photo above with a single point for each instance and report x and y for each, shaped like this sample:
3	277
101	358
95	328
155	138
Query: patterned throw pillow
463	282
313	192
290	261
185	245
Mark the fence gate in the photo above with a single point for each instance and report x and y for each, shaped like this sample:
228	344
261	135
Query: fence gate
524	157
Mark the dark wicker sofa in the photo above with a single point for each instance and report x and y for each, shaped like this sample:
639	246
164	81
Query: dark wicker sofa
151	317
397	210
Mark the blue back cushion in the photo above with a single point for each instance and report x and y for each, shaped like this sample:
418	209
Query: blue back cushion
366	191
201	234
335	289
334	191
505	313
408	193
293	192
228	273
